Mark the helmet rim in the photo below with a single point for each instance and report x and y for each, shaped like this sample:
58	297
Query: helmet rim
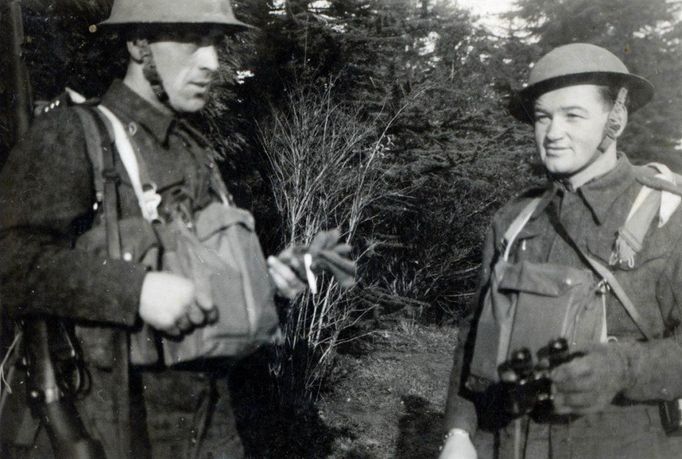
600	67
125	13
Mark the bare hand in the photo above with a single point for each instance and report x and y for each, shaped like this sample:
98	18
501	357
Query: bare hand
458	446
166	300
287	282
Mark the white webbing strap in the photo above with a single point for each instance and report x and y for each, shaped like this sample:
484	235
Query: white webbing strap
669	201
517	225
148	201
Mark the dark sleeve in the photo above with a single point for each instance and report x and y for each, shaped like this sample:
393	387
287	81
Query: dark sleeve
655	367
46	189
460	410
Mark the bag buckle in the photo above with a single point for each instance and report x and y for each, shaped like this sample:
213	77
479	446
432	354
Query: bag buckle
150	201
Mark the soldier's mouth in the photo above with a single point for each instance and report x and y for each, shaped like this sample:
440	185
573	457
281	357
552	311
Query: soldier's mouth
555	151
201	84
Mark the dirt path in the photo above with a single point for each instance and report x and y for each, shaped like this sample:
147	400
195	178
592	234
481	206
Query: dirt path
390	403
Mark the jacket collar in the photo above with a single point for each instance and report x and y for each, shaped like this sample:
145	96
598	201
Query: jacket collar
602	192
599	194
130	107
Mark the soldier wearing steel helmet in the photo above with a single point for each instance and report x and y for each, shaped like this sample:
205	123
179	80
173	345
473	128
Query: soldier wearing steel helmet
47	194
590	233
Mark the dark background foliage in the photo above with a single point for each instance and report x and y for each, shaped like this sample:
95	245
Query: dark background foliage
426	72
425	69
426	86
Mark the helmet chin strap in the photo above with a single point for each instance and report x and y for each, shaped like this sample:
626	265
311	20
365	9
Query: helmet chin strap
151	73
614	123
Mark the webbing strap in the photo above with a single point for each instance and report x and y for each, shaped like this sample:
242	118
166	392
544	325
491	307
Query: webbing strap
652	200
517	225
522	219
101	155
93	146
604	273
630	239
101	152
148	202
617	289
670	193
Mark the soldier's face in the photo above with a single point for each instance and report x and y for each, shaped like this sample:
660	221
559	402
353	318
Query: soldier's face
186	62
569	125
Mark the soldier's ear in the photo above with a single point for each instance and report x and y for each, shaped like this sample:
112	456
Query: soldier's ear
135	49
618	118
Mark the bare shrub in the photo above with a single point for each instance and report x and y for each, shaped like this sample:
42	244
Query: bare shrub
326	171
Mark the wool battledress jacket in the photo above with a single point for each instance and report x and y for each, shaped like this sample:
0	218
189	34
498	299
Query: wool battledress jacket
47	196
592	215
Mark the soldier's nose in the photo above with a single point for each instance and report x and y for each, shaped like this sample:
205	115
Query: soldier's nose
208	58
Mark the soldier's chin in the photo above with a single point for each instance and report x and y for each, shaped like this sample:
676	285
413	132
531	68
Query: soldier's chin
189	105
558	167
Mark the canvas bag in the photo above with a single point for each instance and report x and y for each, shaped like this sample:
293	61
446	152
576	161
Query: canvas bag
528	304
216	247
222	255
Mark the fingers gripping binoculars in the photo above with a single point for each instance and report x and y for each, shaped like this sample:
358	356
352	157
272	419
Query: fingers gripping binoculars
527	385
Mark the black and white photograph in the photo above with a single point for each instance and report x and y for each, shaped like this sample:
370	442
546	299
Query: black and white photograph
345	229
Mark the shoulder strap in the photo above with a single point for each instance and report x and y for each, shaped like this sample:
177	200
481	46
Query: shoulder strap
604	273
147	199
630	238
670	186
93	143
102	155
659	196
618	290
106	178
219	187
215	179
517	225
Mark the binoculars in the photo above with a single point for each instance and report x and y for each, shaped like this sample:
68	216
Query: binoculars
526	385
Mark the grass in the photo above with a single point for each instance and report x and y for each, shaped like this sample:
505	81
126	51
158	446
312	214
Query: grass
384	399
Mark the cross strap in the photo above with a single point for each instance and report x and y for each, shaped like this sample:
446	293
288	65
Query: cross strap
604	273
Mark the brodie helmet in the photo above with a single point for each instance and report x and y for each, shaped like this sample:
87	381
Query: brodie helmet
215	12
154	14
579	63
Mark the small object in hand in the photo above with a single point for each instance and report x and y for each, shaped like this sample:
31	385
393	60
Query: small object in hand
325	253
310	276
527	385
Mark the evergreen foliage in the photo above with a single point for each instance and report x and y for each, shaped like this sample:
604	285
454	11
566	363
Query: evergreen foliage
423	83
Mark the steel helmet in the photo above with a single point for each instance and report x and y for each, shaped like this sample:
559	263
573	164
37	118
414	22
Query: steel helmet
579	63
216	12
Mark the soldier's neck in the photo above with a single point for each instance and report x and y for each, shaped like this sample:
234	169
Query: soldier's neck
604	163
136	81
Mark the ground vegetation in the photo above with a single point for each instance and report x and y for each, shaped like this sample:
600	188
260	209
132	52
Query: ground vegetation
387	119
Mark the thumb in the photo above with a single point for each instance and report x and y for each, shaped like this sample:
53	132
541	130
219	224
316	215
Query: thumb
204	299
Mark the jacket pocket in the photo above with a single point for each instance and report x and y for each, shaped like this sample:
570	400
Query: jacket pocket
552	301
